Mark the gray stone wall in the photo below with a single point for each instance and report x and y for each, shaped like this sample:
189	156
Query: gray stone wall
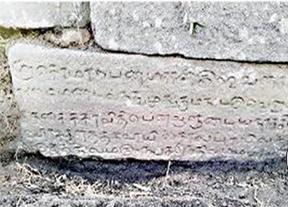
194	92
198	103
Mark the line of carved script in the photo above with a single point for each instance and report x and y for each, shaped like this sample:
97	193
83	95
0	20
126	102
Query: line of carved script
193	75
74	141
183	101
122	119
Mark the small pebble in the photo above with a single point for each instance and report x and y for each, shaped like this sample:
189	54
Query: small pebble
68	37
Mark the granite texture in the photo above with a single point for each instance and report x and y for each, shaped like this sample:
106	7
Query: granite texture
242	31
131	106
33	15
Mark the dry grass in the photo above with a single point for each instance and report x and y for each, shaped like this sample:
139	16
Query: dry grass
28	179
31	180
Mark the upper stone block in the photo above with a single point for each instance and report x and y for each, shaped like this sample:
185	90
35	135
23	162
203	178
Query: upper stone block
246	31
43	14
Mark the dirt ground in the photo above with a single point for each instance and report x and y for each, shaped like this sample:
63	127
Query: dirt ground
33	180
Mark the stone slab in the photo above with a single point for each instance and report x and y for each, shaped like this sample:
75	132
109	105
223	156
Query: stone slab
244	31
43	14
132	106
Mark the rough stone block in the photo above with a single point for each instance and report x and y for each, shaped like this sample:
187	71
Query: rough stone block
43	14
253	31
132	106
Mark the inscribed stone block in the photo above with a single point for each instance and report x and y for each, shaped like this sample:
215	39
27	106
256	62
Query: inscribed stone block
132	106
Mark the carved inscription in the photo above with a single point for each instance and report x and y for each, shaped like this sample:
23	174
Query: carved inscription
122	119
119	106
174	100
189	75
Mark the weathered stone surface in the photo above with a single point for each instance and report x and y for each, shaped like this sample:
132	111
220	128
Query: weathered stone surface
121	106
253	31
43	14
